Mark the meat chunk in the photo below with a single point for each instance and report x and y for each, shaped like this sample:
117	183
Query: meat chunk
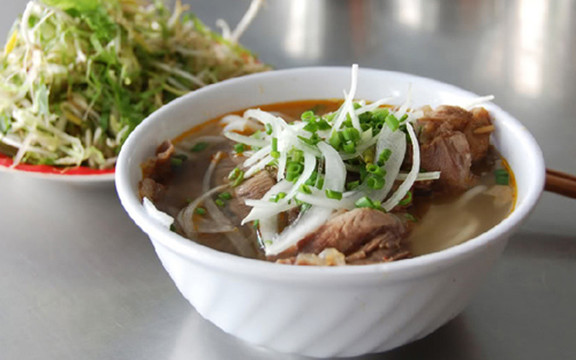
451	140
150	189
155	171
256	186
253	188
363	235
158	167
449	153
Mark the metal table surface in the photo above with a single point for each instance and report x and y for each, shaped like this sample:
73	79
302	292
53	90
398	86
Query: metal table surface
78	280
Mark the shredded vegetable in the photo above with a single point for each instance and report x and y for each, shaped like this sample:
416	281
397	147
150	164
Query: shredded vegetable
76	77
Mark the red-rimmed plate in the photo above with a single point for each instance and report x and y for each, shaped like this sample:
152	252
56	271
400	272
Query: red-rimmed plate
75	174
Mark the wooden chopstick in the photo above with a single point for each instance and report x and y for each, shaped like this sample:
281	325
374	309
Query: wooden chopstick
560	183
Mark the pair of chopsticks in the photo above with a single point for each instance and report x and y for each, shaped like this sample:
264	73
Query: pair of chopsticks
560	183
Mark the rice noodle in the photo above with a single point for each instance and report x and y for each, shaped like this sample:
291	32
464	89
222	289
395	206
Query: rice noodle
423	176
186	215
217	216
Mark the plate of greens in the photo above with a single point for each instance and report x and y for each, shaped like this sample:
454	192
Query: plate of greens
77	76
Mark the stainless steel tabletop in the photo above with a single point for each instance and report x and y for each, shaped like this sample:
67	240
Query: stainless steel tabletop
78	280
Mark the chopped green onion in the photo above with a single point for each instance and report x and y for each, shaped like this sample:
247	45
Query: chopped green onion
323	124
364	202
200	211
225	196
392	122
199	147
333	194
236	176
502	177
375	182
384	156
274	153
313	140
256	224
294	167
176	161
239	148
335	140
410	217
349	148
268	129
406	200
278	197
351	134
320	182
375	170
305	189
352	185
311	127
308	116
219	202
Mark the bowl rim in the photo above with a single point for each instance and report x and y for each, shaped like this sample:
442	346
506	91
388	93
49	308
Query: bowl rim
311	274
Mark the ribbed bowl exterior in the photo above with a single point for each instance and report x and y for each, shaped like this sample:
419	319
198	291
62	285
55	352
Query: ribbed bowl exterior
329	319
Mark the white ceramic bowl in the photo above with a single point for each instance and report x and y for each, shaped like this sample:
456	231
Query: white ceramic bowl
321	311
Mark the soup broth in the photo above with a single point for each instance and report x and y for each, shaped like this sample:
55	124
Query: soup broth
203	159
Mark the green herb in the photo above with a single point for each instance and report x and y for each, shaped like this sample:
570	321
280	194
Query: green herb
220	202
239	148
392	122
305	189
200	146
200	211
236	176
278	197
308	116
375	182
406	200
175	161
225	195
352	185
502	177
332	194
410	217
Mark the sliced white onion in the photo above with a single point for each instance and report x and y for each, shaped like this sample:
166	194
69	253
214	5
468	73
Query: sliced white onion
313	219
343	111
255	157
264	208
245	139
318	199
411	177
396	142
334	168
258	166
